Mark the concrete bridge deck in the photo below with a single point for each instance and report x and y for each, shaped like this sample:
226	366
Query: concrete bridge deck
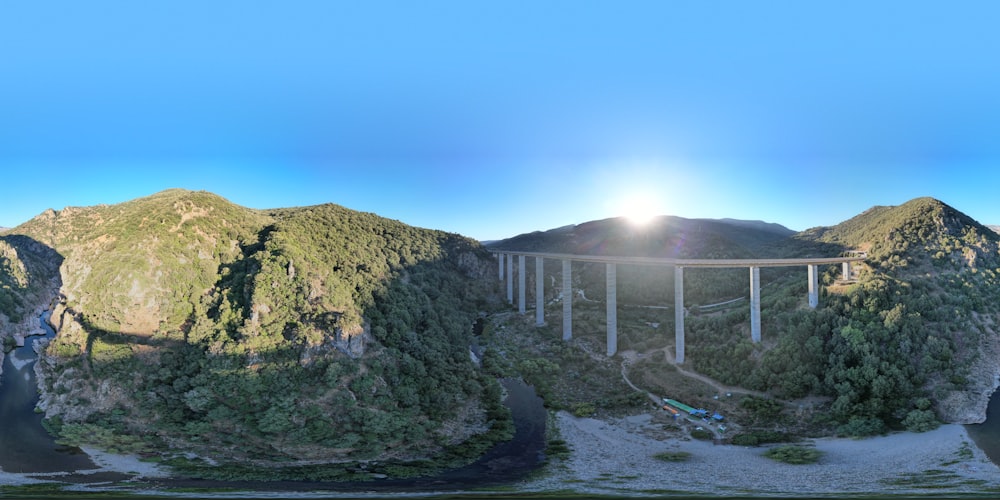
812	265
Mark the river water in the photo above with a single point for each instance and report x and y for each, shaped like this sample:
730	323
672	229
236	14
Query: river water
987	434
25	446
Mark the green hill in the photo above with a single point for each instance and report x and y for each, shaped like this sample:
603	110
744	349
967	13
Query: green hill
289	335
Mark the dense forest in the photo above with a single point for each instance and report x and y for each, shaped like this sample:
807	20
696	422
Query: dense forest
300	334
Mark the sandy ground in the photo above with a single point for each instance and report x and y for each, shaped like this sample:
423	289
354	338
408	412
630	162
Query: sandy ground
616	457
104	462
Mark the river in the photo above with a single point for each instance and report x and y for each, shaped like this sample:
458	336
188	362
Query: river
987	434
26	446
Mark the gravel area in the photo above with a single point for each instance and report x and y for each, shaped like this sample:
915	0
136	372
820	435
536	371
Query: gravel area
616	457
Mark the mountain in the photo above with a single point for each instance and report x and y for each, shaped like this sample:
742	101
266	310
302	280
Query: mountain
912	340
664	236
189	323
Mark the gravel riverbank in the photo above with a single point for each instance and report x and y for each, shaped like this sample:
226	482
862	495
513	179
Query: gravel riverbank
616	457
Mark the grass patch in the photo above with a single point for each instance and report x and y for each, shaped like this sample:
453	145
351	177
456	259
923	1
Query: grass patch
792	454
673	456
557	449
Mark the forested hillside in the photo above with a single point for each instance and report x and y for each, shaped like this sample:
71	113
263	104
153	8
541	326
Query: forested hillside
909	340
315	333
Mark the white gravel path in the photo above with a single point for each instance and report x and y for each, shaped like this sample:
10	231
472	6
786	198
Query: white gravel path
616	457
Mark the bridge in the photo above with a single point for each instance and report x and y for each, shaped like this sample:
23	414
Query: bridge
611	262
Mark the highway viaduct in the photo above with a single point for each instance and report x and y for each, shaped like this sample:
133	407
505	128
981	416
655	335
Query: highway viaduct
611	262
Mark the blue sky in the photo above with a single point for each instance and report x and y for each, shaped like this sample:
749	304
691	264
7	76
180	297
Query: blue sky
496	118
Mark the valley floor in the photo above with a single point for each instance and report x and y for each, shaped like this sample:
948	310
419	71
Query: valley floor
616	457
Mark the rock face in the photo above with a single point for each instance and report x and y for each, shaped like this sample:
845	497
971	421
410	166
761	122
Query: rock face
968	406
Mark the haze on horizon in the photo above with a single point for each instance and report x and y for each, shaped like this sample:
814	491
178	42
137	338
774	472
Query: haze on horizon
492	119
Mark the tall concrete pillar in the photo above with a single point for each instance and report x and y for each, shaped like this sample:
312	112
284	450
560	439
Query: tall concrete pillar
567	293
846	267
510	278
521	274
755	304
678	314
500	261
612	300
539	292
813	285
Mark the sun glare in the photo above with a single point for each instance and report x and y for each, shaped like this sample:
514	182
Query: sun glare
639	210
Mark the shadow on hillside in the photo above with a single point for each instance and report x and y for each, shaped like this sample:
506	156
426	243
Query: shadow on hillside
40	283
239	389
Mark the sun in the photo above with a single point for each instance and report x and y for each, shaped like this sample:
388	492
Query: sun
640	209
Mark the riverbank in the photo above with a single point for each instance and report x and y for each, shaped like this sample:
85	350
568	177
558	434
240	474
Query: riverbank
617	457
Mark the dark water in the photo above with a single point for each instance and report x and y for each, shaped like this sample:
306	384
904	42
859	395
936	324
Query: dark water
25	446
987	434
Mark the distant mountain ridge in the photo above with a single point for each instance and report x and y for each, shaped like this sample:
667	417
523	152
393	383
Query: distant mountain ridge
664	236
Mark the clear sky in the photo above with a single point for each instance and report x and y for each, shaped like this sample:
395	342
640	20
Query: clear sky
493	118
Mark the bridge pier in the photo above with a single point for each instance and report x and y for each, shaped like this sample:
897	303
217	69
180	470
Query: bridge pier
510	278
539	292
612	301
755	304
678	314
567	293
754	266
813	285
521	297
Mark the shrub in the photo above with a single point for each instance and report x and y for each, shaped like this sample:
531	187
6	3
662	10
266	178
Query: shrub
754	438
583	409
702	434
861	427
792	454
920	421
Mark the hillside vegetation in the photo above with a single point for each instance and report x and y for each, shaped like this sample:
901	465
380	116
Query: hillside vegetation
279	336
317	335
908	342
